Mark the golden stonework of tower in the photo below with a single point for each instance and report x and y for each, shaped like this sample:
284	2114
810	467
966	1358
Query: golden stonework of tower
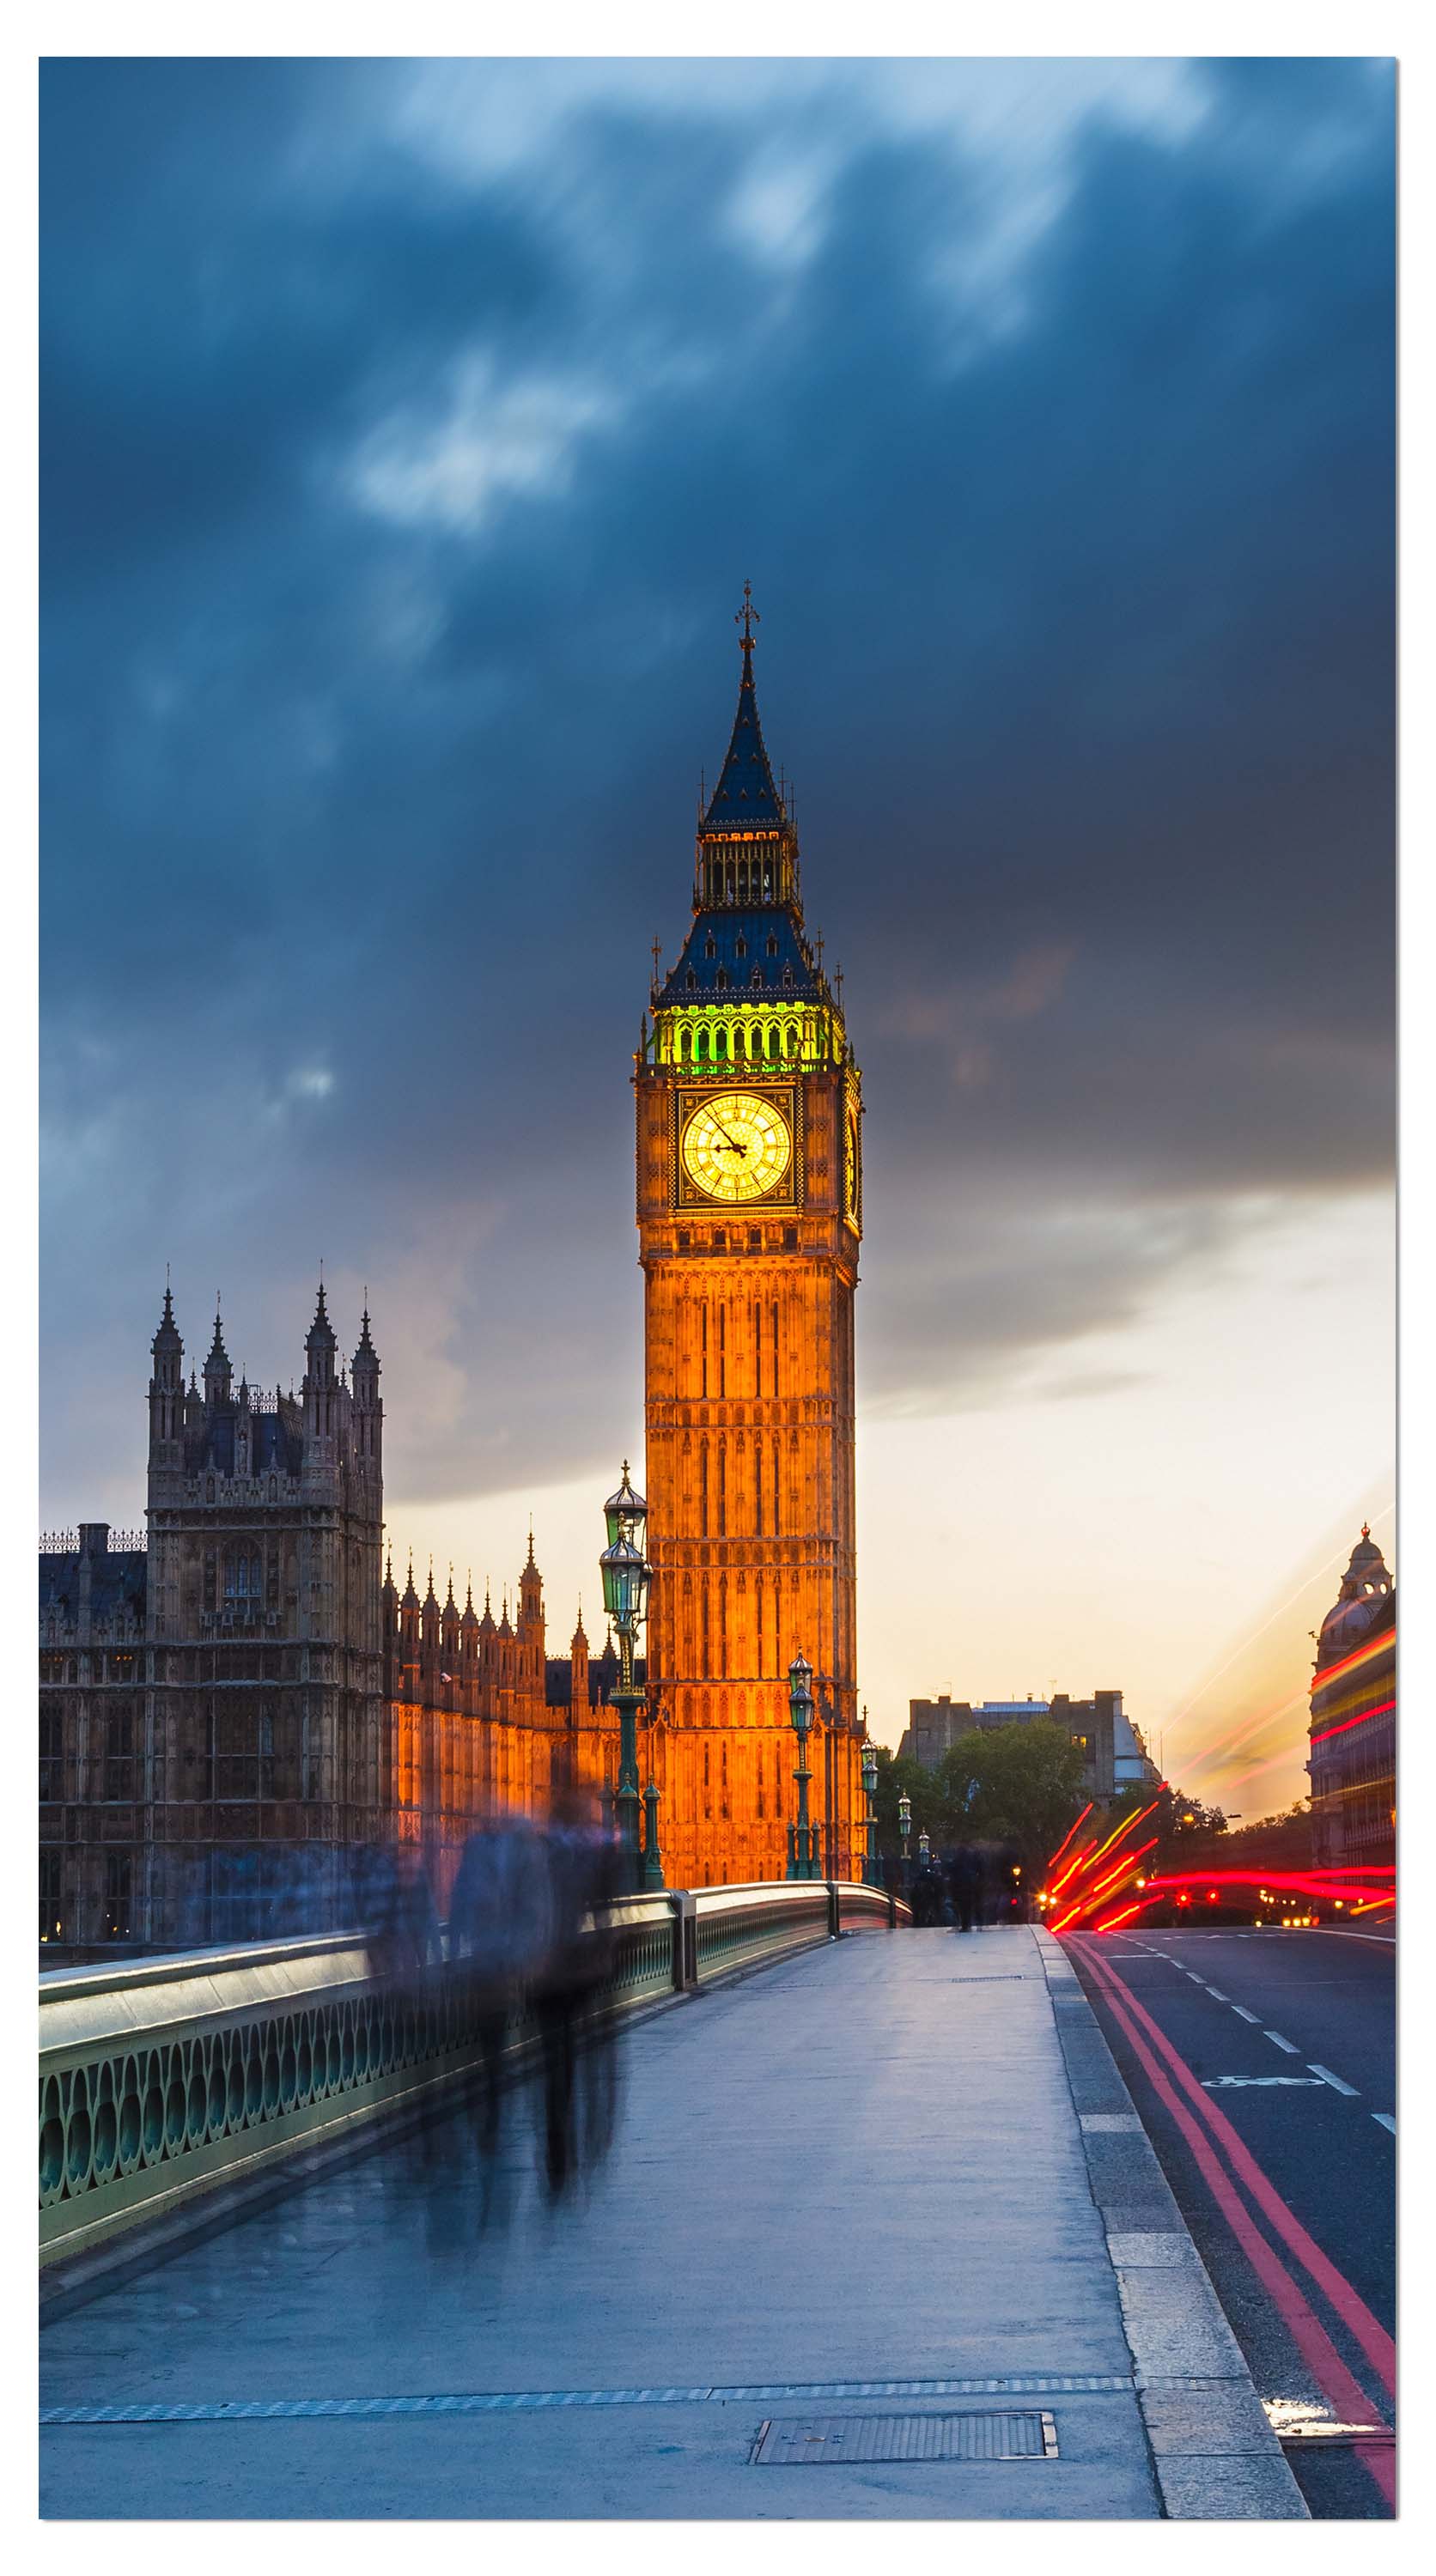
749	1127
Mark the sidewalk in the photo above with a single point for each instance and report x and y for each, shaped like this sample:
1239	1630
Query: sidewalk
864	2165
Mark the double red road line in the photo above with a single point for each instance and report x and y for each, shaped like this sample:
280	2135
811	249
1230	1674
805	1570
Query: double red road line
1224	2162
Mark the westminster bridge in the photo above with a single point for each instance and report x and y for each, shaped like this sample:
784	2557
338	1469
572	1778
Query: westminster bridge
850	2221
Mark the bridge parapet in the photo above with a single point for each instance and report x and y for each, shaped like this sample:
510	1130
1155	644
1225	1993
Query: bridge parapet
165	2077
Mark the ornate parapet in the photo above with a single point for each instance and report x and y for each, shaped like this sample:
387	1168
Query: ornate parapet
162	2080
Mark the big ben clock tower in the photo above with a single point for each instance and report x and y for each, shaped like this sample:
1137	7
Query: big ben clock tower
749	1216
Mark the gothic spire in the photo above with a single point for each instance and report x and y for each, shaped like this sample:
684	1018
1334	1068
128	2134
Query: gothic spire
217	1372
746	798
167	1344
321	1330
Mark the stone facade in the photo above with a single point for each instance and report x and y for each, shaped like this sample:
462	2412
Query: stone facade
1353	1718
482	1714
259	1748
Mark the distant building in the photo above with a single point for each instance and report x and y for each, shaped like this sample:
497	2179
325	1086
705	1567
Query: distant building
1353	1717
1114	1756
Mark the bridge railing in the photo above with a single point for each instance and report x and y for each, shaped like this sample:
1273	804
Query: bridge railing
164	2077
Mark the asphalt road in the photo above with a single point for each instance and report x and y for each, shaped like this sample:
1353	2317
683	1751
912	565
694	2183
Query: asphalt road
1289	2039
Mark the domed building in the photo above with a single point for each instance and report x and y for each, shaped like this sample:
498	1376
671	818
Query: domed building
1353	1717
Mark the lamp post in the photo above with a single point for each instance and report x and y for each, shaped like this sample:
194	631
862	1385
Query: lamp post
626	1578
872	1866
924	1846
905	1828
801	1860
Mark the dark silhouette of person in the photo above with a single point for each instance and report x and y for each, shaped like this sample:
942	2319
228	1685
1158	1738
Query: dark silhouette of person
964	1880
585	1879
927	1897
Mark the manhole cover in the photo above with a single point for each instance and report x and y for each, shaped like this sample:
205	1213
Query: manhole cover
798	2441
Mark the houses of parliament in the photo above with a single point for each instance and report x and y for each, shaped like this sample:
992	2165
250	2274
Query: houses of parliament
235	1699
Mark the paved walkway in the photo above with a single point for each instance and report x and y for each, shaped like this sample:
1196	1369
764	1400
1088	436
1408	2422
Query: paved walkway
862	2165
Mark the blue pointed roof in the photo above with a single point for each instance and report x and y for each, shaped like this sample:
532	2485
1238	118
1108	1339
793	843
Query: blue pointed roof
726	957
745	798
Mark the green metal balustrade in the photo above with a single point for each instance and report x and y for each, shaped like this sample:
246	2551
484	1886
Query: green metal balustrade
167	2077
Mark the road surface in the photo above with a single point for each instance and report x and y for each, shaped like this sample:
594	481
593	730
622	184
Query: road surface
1263	2064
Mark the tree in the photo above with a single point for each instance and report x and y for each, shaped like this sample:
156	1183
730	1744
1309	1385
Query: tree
1187	1831
1017	1784
1272	1842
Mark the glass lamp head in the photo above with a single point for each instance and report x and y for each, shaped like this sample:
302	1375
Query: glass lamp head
625	1582
626	1514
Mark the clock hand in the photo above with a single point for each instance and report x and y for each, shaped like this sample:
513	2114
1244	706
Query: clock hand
722	1130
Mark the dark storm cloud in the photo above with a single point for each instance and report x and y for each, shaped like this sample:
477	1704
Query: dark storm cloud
395	498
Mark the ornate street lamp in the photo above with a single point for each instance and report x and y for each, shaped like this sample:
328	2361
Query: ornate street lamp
802	1859
872	1866
924	1846
627	1575
905	1828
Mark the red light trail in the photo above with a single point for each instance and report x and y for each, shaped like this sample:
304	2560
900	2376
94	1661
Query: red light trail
1365	1715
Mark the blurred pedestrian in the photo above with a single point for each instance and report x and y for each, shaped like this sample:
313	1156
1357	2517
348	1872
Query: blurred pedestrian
964	1880
579	2060
501	1926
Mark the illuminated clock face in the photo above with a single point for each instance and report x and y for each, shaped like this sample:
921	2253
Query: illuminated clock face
737	1146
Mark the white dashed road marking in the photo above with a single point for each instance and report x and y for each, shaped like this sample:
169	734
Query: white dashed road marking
1385	2120
1246	2016
1221	1998
1288	2044
1334	2081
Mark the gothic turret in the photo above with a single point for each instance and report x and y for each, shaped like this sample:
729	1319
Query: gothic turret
530	1594
578	1671
218	1375
167	1391
320	1393
365	1371
320	1346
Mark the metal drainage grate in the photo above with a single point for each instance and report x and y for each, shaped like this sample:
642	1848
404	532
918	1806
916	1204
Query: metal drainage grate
798	2441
